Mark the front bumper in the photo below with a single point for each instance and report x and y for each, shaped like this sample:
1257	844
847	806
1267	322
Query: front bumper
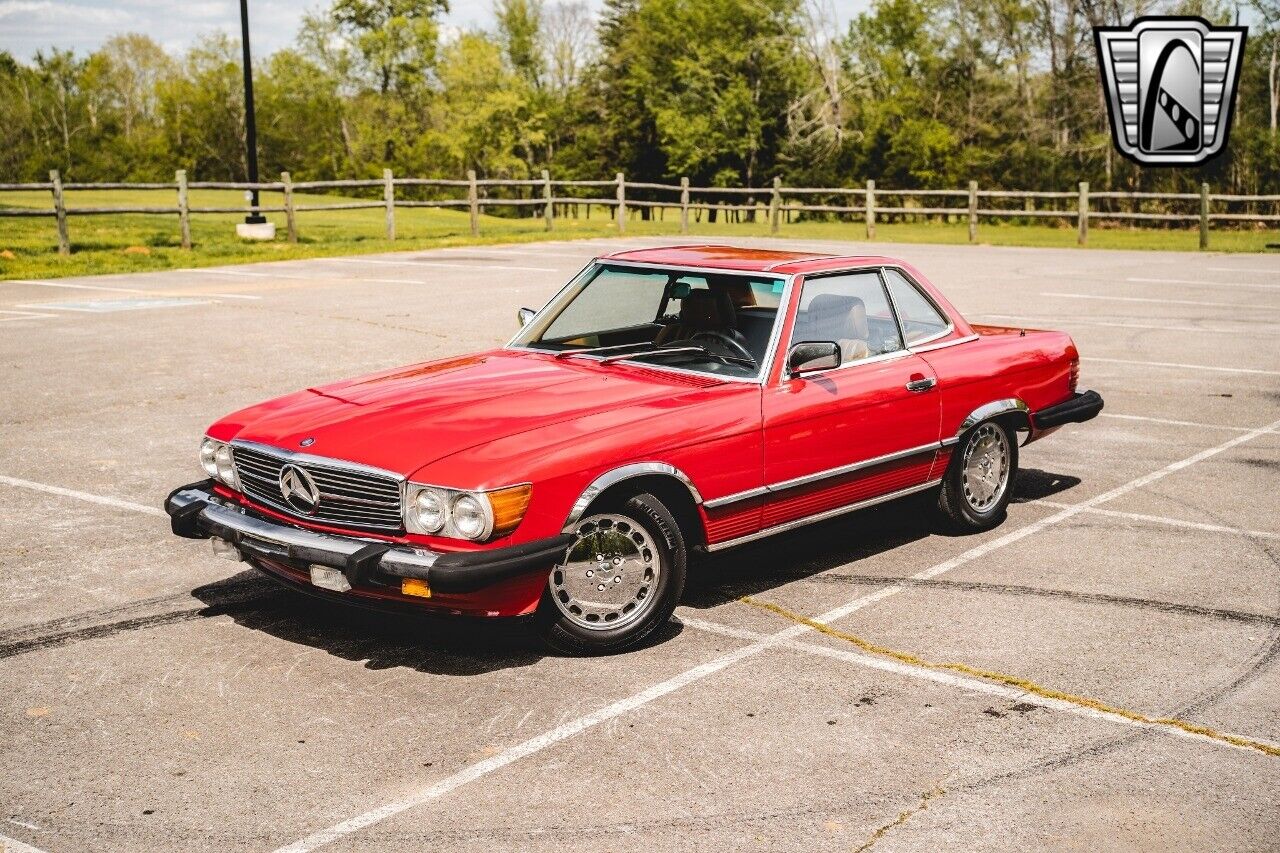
197	512
1081	407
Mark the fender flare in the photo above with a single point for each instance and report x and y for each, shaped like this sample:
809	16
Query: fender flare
626	472
987	411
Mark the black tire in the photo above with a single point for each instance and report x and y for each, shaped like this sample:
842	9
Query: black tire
961	509
565	634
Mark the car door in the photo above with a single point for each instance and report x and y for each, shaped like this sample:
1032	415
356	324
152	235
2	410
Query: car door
852	433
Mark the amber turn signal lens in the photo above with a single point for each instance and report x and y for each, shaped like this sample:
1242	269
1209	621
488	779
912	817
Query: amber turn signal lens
413	586
509	506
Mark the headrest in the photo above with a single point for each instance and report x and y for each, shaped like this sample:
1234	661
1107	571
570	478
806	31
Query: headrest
836	317
700	310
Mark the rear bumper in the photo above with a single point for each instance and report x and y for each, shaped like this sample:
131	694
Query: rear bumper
197	512
1083	406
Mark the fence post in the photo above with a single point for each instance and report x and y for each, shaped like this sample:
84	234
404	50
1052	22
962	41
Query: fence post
290	220
684	205
622	203
473	199
184	208
1204	216
548	213
973	211
389	196
775	205
1082	214
60	211
871	209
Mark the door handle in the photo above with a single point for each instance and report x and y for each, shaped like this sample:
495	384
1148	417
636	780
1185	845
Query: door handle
921	384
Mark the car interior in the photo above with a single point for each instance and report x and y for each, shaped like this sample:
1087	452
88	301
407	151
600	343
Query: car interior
718	323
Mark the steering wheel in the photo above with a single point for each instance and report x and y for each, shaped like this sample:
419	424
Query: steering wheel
737	349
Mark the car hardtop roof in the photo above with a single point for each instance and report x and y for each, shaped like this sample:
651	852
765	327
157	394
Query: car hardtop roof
743	259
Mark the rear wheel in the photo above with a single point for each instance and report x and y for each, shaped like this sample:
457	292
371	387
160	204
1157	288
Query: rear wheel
618	583
979	481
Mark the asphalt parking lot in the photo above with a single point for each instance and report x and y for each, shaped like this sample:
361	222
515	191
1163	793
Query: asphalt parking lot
153	697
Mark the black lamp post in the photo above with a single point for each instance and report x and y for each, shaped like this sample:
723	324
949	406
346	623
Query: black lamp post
250	125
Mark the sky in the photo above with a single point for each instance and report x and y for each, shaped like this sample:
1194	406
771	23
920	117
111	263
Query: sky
29	25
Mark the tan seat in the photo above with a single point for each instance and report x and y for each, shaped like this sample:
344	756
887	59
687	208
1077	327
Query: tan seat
838	318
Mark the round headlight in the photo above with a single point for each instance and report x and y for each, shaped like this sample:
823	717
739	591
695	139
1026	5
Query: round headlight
226	469
208	448
430	511
469	517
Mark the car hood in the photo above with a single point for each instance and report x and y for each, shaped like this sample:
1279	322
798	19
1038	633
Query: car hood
406	418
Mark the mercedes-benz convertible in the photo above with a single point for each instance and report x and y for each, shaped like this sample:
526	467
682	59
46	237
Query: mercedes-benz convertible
664	402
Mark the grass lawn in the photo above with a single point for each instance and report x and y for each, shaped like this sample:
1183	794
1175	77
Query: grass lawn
140	242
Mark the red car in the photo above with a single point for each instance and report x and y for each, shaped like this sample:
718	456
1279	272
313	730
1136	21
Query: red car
665	401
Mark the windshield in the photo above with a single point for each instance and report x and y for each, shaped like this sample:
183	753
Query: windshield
709	322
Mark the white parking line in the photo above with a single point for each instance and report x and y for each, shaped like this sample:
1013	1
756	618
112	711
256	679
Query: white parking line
443	265
13	845
1235	305
124	289
1181	366
1170	522
1173	422
83	496
961	682
1275	272
1238	284
684	679
23	315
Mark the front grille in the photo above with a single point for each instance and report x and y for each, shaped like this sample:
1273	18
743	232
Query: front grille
349	497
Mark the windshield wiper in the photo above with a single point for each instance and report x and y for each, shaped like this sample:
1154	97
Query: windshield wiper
680	349
565	353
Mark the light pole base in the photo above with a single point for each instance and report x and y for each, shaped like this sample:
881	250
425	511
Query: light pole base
256	230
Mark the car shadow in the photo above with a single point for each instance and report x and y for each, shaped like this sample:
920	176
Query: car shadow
719	578
377	639
450	645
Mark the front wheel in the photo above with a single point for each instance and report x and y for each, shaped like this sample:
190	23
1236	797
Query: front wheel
617	583
979	481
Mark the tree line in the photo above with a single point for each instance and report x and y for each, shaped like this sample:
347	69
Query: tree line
912	93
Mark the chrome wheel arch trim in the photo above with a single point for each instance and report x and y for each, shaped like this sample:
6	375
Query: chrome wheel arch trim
988	411
617	475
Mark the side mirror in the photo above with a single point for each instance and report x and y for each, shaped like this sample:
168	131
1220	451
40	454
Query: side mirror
813	355
525	315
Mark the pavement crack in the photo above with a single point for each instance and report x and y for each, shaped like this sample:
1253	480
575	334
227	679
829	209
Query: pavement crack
902	818
1023	684
1072	595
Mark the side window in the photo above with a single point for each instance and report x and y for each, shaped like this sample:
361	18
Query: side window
920	319
850	309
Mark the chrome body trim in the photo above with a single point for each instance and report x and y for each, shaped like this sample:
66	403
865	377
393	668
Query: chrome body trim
822	516
902	329
906	350
818	476
305	458
617	475
991	410
943	344
547	313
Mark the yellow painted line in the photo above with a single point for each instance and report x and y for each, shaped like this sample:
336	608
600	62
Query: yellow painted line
1013	681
